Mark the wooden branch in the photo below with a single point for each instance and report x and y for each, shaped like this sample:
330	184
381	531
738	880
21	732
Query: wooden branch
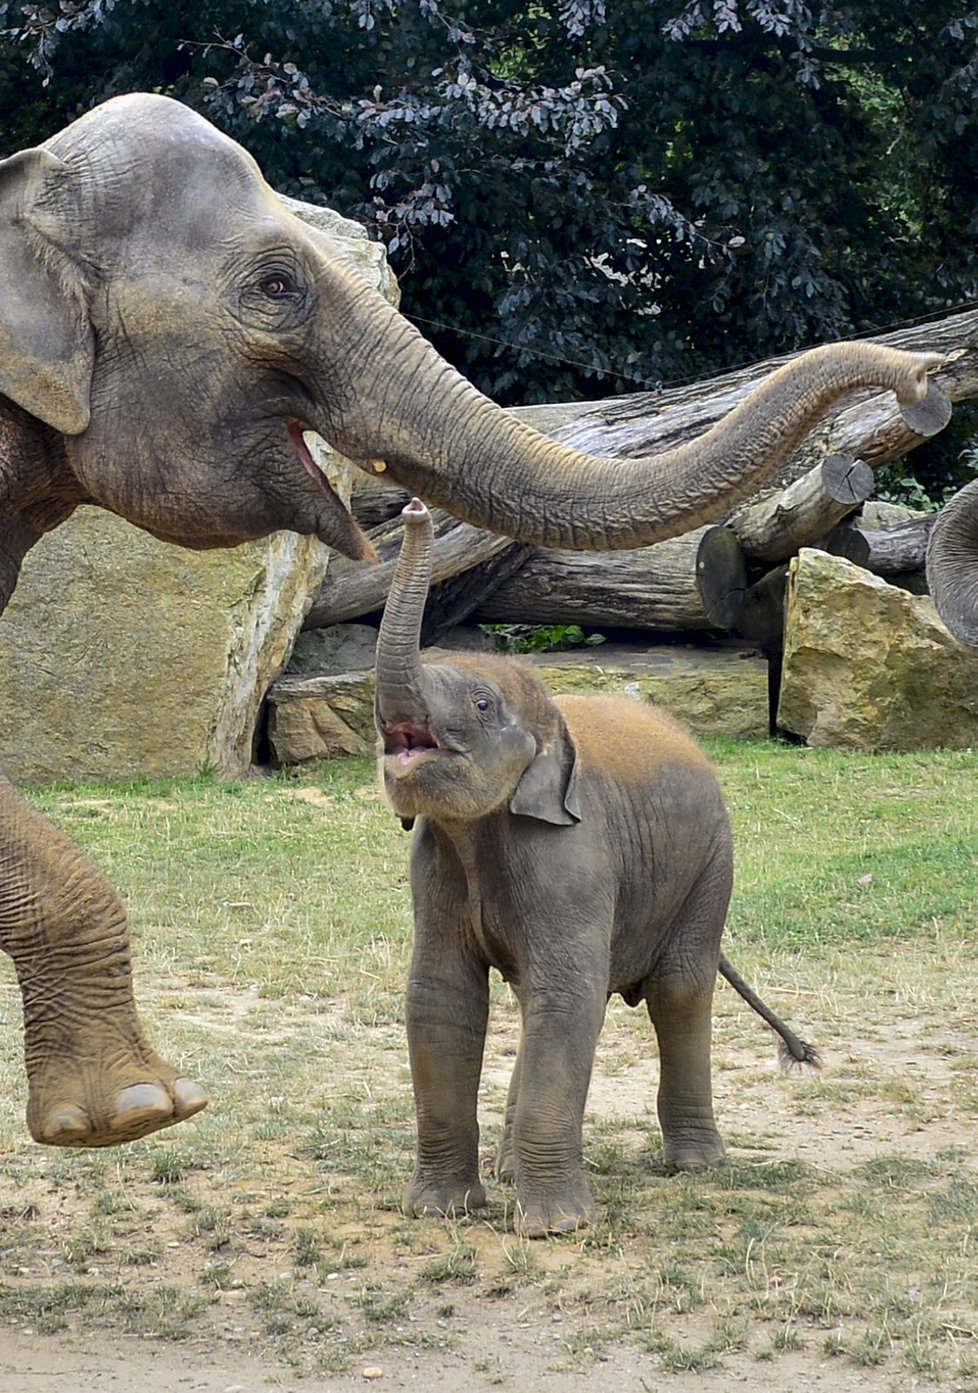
870	430
649	422
456	599
696	581
772	528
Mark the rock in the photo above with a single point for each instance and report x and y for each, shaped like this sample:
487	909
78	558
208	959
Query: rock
869	666
722	691
122	657
335	648
713	691
876	514
321	717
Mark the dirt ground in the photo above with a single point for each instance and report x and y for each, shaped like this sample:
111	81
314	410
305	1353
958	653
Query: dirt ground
523	1354
524	1339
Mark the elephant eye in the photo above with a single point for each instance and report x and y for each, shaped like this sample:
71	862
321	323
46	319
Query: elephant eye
277	285
482	703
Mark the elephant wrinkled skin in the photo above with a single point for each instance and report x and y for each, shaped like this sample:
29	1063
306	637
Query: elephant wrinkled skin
169	333
581	846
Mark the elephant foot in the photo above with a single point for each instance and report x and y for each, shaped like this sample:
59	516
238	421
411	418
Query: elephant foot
504	1166
99	1104
556	1211
694	1154
449	1199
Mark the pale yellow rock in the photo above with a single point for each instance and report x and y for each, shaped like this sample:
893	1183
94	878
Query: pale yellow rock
321	717
723	692
123	657
869	666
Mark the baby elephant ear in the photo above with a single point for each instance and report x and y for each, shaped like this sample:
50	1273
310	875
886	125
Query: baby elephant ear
548	787
47	348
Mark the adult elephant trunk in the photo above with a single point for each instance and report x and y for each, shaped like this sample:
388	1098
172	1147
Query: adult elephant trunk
440	438
952	564
400	694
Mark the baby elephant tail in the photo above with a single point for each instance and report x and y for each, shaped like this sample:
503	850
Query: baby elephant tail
791	1050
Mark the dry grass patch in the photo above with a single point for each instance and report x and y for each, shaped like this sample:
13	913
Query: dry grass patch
271	921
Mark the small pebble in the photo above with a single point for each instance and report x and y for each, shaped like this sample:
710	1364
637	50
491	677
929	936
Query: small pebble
371	1371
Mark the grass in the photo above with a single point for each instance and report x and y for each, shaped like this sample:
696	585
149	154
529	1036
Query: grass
271	924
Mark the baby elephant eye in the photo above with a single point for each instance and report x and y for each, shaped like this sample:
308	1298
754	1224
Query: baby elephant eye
482	704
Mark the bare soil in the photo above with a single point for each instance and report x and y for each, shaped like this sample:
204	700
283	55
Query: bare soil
535	1334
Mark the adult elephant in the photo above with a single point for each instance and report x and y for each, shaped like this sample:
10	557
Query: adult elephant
168	331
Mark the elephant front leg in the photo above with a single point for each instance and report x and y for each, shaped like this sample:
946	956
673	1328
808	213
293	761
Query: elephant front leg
550	1086
447	1015
93	1078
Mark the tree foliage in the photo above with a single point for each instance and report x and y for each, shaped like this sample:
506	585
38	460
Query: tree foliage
580	196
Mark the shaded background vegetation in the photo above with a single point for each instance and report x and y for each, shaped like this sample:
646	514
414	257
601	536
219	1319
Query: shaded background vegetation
580	196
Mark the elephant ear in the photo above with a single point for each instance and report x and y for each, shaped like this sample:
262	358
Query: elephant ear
47	348
548	787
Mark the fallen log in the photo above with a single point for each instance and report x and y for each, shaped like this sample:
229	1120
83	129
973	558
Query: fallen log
694	582
773	528
889	551
353	590
460	597
870	427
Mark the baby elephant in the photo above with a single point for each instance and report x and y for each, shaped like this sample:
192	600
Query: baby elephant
581	846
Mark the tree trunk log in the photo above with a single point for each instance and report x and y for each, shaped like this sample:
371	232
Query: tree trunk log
457	599
774	527
353	590
762	616
696	581
889	552
870	428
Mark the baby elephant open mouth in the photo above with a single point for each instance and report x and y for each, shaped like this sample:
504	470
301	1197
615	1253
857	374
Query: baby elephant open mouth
409	743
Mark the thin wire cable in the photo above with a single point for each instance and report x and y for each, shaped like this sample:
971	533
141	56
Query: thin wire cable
656	384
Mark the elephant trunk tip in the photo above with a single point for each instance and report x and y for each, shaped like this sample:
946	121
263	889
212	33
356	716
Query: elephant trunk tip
414	512
915	385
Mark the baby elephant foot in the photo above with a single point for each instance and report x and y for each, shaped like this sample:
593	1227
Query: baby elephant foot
446	1199
99	1104
555	1211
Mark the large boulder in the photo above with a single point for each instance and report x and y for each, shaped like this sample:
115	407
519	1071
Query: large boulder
869	666
123	657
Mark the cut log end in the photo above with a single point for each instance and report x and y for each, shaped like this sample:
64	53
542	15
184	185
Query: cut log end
721	577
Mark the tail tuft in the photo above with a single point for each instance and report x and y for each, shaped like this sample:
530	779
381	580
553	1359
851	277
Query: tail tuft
797	1054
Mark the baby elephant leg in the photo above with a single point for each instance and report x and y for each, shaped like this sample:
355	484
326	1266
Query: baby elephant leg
680	1004
545	1117
447	1014
505	1167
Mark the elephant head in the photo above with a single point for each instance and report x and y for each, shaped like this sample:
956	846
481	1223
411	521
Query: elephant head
169	332
462	736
